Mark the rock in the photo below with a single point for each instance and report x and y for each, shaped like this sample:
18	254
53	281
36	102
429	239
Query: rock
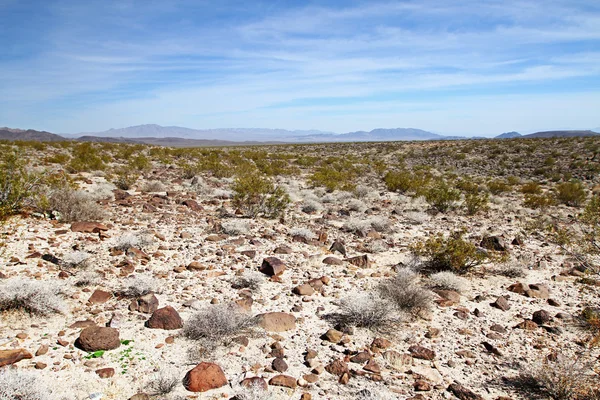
255	382
277	321
279	365
337	367
495	243
398	361
538	290
99	297
88	227
105	372
284	381
192	205
421	352
272	266
140	396
541	317
42	350
82	324
421	385
361	358
380	344
519	288
304	290
359	261
498	328
462	392
333	335
449	295
9	357
527	325
146	304
204	377
96	338
339	247
196	266
373	367
165	318
501	303
491	349
332	261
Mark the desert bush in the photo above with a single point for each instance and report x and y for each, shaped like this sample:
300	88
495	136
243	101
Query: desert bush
362	191
448	280
102	191
252	281
476	202
416	217
357	205
302	232
311	206
370	394
85	158
139	285
34	297
17	186
365	311
125	178
164	383
153	186
498	186
400	181
236	227
355	225
217	324
74	205
571	193
88	278
563	379
337	175
258	196
538	201
511	270
531	188
76	259
380	223
139	163
441	196
448	254
404	291
137	240
16	384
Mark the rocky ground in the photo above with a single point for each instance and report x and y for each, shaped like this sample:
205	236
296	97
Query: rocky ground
132	281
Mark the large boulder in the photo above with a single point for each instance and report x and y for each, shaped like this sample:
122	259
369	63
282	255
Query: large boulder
277	321
204	377
8	357
165	318
96	338
272	266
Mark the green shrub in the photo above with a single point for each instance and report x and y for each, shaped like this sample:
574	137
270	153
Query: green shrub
538	201
256	195
85	158
333	177
16	184
531	188
125	178
448	254
570	193
475	202
498	186
399	181
441	196
140	163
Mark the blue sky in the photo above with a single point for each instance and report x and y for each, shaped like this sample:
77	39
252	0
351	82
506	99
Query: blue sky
469	67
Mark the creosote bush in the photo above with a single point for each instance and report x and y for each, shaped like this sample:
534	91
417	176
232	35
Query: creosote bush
34	297
405	292
451	253
476	202
16	184
256	195
365	311
570	193
441	196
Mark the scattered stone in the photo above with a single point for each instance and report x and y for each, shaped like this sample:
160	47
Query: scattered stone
541	317
332	261
333	335
105	372
279	365
462	392
491	349
165	318
99	297
9	357
337	367
421	352
146	304
255	382
304	290
96	338
339	247
284	381
88	227
359	261
501	303
495	243
204	377
277	321
272	266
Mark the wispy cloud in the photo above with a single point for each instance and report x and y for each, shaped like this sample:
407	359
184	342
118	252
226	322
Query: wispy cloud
96	65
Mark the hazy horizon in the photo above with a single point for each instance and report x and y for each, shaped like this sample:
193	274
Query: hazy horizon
469	69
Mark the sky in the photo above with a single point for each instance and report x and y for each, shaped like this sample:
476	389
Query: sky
473	67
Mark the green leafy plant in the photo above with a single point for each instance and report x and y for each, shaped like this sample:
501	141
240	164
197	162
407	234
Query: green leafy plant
441	196
571	193
17	186
257	195
476	202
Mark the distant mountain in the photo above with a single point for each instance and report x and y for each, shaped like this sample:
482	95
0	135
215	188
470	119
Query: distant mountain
180	142
30	134
597	130
376	135
508	135
551	134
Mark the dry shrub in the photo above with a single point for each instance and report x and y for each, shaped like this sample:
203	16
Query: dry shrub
302	232
365	311
137	240
153	186
164	383
22	385
252	281
405	293
236	227
448	280
139	285
34	297
75	205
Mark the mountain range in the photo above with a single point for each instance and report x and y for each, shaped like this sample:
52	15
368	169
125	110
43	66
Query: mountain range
185	137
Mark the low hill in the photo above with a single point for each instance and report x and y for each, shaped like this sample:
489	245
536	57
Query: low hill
30	134
508	135
552	134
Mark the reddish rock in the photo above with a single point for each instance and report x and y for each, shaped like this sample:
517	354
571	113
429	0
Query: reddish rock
277	321
8	357
283	380
204	377
165	318
332	261
279	365
337	367
421	386
501	303
255	382
88	227
380	344
339	247
272	266
462	392
105	372
99	297
541	317
192	205
421	352
146	304
196	266
96	338
304	290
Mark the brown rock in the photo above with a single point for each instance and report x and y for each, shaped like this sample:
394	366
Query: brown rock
99	297
372	366
40	365
361	357
380	344
279	365
541	317
204	377
9	357
538	290
82	324
105	372
146	304
42	350
192	205
359	261
462	392
421	352
333	335
495	243
96	338
196	266
332	261
337	367
88	227
304	290
272	266
501	303
283	380
527	325
165	318
421	385
277	321
339	247
450	295
255	382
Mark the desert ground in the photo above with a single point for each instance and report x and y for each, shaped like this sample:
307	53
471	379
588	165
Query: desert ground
405	270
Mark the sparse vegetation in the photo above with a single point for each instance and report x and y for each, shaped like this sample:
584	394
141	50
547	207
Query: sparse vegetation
404	291
39	298
257	196
365	311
